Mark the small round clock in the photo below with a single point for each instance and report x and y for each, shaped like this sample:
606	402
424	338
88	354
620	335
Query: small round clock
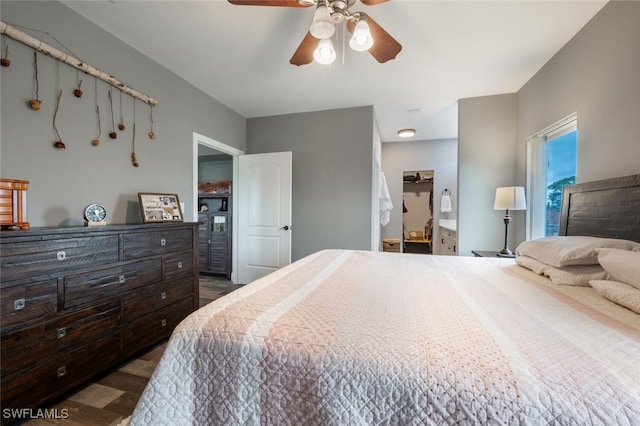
95	214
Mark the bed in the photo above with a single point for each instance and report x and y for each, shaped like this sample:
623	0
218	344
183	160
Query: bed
355	337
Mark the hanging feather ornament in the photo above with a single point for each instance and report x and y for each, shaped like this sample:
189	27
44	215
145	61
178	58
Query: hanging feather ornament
96	141
152	134
35	103
77	92
58	143
5	62
113	134
121	125
134	157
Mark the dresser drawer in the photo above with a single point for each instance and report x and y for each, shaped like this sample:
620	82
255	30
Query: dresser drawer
101	283
28	301
178	264
144	244
155	296
30	347
151	328
30	389
37	257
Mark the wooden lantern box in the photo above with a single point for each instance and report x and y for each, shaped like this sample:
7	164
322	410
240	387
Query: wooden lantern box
13	203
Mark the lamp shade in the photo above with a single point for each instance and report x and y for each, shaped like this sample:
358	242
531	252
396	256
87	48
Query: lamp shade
510	198
324	53
322	27
361	39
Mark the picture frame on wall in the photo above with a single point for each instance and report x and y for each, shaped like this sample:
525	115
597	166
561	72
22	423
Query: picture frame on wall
157	207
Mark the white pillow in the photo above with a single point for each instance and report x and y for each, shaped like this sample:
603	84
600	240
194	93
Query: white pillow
531	263
577	275
622	265
571	250
620	293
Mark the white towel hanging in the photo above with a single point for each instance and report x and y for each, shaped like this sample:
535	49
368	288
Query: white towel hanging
385	201
445	202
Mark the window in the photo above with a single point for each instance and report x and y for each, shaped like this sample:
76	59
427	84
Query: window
551	164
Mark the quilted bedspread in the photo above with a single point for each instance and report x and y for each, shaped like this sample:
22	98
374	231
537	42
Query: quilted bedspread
365	338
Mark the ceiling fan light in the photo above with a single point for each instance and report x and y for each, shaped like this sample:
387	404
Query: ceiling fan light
406	133
324	53
322	27
361	39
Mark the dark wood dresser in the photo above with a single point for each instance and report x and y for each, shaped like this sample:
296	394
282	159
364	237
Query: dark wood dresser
77	301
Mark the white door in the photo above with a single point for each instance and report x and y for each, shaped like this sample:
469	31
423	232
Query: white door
263	214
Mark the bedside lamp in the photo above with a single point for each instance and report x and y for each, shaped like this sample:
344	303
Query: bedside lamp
509	198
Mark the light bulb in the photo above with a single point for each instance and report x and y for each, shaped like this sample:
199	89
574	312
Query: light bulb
361	39
324	53
322	27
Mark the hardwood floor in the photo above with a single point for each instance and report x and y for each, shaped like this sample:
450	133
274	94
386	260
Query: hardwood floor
112	397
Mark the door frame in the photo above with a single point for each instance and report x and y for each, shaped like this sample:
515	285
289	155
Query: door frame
199	139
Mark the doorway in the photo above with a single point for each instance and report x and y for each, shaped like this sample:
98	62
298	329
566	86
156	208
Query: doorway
207	147
417	211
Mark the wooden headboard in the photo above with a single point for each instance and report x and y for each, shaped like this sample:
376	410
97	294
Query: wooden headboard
606	208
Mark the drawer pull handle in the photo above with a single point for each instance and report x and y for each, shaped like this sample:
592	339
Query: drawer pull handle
61	332
61	255
62	371
163	295
163	242
19	304
121	279
163	323
179	265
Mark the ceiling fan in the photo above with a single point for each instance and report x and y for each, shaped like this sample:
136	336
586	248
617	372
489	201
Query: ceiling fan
366	33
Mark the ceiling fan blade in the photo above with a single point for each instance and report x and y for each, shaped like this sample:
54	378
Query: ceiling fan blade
304	54
385	47
283	3
372	2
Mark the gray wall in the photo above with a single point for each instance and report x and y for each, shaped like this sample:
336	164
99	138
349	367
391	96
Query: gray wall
214	170
332	174
63	182
597	75
441	156
486	158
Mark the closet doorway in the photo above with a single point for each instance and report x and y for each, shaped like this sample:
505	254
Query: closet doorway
417	211
215	162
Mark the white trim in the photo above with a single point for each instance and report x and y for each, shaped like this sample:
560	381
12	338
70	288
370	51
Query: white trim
536	171
227	149
557	129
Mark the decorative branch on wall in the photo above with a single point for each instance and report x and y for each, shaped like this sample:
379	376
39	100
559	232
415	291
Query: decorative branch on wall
42	47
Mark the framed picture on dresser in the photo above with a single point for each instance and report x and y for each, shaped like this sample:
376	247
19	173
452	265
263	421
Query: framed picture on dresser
159	207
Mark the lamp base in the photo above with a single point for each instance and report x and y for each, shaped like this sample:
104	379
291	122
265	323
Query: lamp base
505	252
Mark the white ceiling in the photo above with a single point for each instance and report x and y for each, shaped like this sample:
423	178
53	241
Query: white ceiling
452	49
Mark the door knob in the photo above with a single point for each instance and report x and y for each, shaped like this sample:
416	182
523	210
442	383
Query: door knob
286	227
